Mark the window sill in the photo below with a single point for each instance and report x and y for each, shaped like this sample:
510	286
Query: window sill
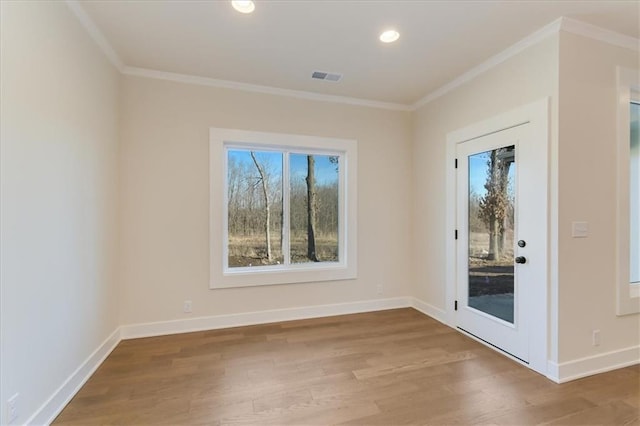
245	277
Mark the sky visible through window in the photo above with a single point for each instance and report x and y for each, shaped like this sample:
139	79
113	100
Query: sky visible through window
478	170
325	171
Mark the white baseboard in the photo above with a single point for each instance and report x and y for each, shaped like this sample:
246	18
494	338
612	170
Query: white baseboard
429	310
61	397
133	331
583	367
563	372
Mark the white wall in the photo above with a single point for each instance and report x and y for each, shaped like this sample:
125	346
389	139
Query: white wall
587	188
165	198
59	202
526	77
579	74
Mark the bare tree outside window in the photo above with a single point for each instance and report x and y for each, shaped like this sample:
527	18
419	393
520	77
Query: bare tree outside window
255	211
254	208
496	206
264	183
314	208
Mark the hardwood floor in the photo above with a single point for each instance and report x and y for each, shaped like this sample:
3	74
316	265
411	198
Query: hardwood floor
380	368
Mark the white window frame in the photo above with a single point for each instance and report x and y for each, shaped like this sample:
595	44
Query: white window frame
628	293
221	276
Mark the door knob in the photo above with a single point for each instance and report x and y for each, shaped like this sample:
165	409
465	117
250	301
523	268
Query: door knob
522	243
521	259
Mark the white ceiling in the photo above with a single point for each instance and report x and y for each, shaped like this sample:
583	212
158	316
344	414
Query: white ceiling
282	42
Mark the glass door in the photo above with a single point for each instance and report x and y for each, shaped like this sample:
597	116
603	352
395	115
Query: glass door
491	215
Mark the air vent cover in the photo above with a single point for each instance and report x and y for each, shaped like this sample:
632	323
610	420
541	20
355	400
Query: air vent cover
328	76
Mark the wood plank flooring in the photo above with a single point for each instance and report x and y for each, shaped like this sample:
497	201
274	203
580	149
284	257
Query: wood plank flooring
381	368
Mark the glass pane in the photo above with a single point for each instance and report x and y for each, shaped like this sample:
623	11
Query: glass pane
491	224
634	196
254	208
314	208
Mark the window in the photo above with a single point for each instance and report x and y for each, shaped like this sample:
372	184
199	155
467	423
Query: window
628	287
283	208
634	193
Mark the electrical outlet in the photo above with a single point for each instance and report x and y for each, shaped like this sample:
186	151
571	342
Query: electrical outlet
596	338
379	288
187	306
12	408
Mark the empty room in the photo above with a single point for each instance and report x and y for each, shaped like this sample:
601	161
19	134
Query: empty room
320	212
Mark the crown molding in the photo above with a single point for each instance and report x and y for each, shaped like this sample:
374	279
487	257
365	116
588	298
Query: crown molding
601	34
95	34
269	90
561	24
493	61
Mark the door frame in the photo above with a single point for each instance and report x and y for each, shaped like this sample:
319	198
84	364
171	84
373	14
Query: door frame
536	116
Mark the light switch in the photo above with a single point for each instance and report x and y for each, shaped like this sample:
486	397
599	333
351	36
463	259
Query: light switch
579	229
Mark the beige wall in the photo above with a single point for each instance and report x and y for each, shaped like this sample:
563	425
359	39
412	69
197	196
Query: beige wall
72	195
587	188
165	197
59	202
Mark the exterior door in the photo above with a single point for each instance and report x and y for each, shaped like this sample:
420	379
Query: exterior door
500	242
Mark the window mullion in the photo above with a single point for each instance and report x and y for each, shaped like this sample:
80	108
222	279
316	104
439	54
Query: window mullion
286	190
225	215
342	208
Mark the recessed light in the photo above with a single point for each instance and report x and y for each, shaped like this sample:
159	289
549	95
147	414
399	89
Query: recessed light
389	36
243	6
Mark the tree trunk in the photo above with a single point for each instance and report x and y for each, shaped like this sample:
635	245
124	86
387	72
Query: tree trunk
494	225
494	245
504	183
311	209
267	213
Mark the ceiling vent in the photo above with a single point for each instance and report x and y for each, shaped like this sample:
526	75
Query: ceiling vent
328	76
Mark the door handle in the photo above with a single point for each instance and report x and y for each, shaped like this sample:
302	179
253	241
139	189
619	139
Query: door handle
521	259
